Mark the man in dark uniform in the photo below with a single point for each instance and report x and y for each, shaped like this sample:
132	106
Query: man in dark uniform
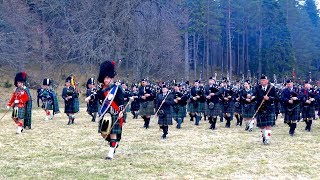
265	94
197	100
146	97
127	96
49	99
248	105
135	105
308	105
179	106
227	103
110	125
213	95
70	96
91	100
290	100
236	97
164	101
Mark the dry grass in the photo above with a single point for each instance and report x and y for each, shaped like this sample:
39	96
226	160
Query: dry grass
53	150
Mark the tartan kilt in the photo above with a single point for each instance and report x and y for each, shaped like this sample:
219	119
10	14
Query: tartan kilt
248	110
47	105
117	129
148	110
201	107
76	105
191	107
282	109
69	106
181	113
293	116
93	107
166	120
216	111
21	113
308	112
237	109
227	107
265	119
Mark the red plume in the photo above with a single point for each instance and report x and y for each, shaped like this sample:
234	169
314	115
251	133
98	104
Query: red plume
113	63
24	75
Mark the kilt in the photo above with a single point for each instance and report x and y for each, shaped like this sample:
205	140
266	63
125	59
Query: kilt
148	110
308	112
166	119
237	109
227	107
135	106
117	129
70	106
196	107
282	110
293	115
191	107
216	111
181	113
248	110
21	113
201	107
93	107
47	105
265	119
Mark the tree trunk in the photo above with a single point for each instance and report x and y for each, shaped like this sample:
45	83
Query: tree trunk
194	56
229	39
260	41
186	56
238	64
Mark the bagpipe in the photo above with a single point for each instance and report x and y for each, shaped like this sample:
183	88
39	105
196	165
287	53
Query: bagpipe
44	95
93	94
308	97
183	95
74	85
227	94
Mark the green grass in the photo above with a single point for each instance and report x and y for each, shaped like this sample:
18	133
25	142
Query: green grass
53	150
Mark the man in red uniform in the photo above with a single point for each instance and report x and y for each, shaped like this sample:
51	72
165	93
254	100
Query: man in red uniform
18	100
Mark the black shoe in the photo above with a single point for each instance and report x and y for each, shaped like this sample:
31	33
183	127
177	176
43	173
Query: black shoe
69	122
108	158
164	137
247	128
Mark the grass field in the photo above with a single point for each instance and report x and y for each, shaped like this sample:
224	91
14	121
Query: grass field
53	150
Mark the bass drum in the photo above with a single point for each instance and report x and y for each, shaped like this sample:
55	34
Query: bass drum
105	124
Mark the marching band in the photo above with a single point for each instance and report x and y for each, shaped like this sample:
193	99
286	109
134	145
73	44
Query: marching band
108	103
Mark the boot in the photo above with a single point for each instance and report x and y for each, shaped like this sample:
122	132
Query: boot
241	119
292	129
179	123
238	120
191	117
210	121
214	121
228	122
197	120
70	120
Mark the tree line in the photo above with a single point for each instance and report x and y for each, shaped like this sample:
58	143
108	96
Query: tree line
180	39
